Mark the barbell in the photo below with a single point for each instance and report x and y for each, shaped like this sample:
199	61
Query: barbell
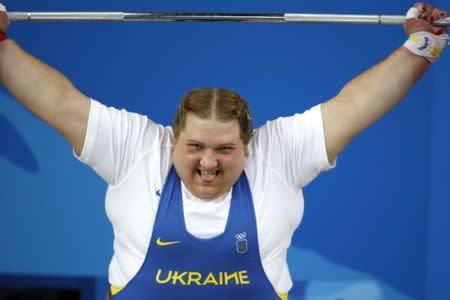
211	17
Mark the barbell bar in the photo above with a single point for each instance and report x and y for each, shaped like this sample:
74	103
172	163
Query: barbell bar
210	17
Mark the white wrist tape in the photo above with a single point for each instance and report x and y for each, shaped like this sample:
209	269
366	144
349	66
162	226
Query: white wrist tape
2	7
412	13
426	44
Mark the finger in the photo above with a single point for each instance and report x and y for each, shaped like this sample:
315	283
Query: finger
427	12
441	30
413	13
4	24
420	6
434	15
443	14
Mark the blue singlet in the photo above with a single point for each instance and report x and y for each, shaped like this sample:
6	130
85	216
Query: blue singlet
179	265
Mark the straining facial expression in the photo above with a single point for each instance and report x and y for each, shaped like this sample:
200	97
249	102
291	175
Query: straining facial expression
209	156
210	143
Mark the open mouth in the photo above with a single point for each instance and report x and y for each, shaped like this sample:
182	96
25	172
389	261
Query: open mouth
208	176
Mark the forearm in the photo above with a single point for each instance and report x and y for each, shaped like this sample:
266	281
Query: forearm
369	96
44	91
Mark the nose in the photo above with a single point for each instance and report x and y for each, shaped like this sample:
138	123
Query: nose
208	160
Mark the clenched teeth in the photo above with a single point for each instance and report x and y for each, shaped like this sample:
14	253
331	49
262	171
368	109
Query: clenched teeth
208	172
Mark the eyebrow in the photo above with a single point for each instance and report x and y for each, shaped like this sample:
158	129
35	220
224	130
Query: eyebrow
218	146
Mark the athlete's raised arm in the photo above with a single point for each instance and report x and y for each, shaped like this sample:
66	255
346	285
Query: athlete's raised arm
375	92
43	90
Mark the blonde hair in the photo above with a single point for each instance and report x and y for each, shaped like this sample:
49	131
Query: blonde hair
221	104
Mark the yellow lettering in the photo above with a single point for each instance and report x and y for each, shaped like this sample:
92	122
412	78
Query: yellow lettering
198	277
210	279
243	277
158	280
191	278
232	275
178	277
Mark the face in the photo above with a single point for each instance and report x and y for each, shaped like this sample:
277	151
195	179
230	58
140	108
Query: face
209	156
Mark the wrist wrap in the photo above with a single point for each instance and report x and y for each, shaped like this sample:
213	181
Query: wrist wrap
426	44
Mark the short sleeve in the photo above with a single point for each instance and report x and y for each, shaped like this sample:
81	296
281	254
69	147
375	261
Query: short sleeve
294	146
116	139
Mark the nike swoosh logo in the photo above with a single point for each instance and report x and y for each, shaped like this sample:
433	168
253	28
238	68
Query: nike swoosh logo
161	243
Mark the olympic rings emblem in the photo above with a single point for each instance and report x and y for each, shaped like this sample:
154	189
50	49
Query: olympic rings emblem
241	236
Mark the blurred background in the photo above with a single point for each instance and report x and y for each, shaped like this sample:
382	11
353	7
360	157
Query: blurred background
375	227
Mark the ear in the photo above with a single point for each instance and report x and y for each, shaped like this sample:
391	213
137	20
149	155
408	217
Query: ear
174	142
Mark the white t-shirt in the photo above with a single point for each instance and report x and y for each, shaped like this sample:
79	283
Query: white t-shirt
133	155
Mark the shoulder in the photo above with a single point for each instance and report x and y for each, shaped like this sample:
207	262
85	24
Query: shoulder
126	123
286	129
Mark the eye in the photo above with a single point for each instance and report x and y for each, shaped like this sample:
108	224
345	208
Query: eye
194	146
225	149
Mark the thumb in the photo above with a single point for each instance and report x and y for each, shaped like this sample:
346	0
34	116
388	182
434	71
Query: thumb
4	21
440	31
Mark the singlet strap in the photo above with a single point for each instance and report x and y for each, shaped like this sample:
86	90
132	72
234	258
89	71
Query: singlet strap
283	296
115	289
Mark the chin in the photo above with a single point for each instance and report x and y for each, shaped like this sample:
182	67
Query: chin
206	195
